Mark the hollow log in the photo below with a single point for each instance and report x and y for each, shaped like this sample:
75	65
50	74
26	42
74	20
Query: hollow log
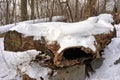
67	57
79	54
75	55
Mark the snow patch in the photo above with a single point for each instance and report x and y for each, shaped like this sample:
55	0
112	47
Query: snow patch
19	63
109	71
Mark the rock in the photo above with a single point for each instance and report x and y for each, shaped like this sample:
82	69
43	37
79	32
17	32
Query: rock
76	72
117	61
97	63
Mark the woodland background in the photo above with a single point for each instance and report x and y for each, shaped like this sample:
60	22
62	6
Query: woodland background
13	11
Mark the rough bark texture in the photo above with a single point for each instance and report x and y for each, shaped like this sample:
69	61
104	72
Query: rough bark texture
27	43
12	41
24	14
32	9
90	9
71	56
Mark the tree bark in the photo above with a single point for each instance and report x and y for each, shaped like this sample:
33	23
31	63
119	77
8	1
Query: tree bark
32	9
24	14
7	12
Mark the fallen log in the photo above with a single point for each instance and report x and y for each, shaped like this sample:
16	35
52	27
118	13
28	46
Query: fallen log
14	41
77	54
68	44
54	57
69	56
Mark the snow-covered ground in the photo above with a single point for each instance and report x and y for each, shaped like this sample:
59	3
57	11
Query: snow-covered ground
110	71
13	64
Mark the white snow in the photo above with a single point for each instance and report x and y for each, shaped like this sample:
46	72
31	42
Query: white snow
118	30
15	64
109	71
6	28
70	41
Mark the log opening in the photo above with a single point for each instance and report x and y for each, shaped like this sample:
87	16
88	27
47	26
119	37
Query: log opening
74	53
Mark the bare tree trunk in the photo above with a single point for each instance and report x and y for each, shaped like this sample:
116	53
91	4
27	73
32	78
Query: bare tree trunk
7	12
93	11
69	10
116	13
13	14
61	7
24	15
104	6
76	11
32	9
52	11
98	6
48	10
37	9
90	8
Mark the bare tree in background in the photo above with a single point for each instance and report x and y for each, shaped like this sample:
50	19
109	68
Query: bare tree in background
12	11
116	12
24	15
90	9
7	12
104	6
69	12
32	9
76	10
52	10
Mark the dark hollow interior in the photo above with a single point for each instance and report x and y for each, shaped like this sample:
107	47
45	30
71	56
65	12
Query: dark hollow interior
74	53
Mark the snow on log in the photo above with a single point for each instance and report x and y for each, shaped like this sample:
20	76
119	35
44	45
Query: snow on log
80	54
69	43
76	54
